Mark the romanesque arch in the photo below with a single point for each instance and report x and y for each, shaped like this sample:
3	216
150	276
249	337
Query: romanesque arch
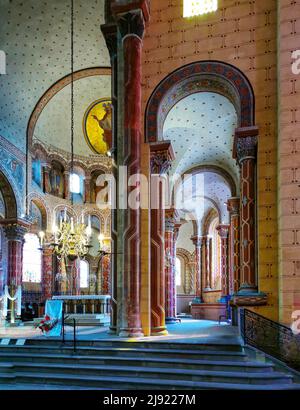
213	76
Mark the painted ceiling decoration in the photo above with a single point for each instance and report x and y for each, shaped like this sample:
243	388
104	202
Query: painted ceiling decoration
35	35
201	128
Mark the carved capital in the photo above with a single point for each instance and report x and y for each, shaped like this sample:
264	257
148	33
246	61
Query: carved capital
15	232
171	217
110	34
198	240
161	157
233	206
245	143
223	231
131	23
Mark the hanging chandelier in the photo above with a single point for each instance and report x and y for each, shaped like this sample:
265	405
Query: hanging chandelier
71	239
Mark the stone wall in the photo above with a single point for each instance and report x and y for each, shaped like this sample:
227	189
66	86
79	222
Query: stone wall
289	160
243	34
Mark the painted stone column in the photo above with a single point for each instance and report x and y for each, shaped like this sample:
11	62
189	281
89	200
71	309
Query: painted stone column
170	267
105	279
87	189
46	178
67	194
233	206
131	18
208	262
246	147
47	273
109	31
198	242
223	231
161	158
15	241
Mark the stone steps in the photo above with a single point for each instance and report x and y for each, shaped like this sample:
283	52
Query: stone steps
138	365
154	373
132	352
176	363
122	383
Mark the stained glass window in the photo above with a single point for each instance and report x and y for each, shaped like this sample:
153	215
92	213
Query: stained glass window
197	7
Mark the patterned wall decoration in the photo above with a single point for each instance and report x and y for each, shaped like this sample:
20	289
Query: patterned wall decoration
244	34
36	38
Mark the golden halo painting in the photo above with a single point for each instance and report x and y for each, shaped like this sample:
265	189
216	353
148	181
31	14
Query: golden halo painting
97	126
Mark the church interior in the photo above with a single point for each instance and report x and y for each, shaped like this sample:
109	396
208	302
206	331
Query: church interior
149	187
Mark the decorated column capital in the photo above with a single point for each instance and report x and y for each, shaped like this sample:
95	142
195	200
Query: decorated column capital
223	231
198	240
233	206
15	232
245	143
110	34
161	157
131	17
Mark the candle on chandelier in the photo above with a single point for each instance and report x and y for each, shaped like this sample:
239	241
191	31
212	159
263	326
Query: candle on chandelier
72	225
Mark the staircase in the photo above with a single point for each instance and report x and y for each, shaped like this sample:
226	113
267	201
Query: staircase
137	365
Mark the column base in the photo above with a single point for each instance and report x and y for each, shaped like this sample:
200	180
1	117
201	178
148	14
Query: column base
171	320
112	330
159	331
249	296
208	289
131	333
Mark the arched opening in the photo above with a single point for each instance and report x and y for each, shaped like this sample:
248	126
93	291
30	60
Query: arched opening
198	109
32	259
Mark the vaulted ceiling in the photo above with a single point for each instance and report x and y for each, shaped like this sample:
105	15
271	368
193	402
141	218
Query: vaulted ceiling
201	128
35	36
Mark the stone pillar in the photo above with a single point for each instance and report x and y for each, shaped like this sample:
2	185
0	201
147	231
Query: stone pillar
131	18
198	242
47	273
233	206
208	262
15	241
46	178
87	189
109	31
245	149
67	194
223	231
170	266
105	277
161	158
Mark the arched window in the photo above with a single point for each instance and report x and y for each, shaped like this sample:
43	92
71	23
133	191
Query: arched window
178	272
75	184
32	259
84	274
198	7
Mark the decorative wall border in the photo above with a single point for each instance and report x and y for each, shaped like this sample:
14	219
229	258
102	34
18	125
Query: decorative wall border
216	76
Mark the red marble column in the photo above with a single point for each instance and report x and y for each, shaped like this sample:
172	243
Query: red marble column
233	206
131	24
170	267
15	241
198	242
105	270
161	158
223	231
109	31
47	273
245	152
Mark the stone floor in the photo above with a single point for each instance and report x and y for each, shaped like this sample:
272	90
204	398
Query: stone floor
189	330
